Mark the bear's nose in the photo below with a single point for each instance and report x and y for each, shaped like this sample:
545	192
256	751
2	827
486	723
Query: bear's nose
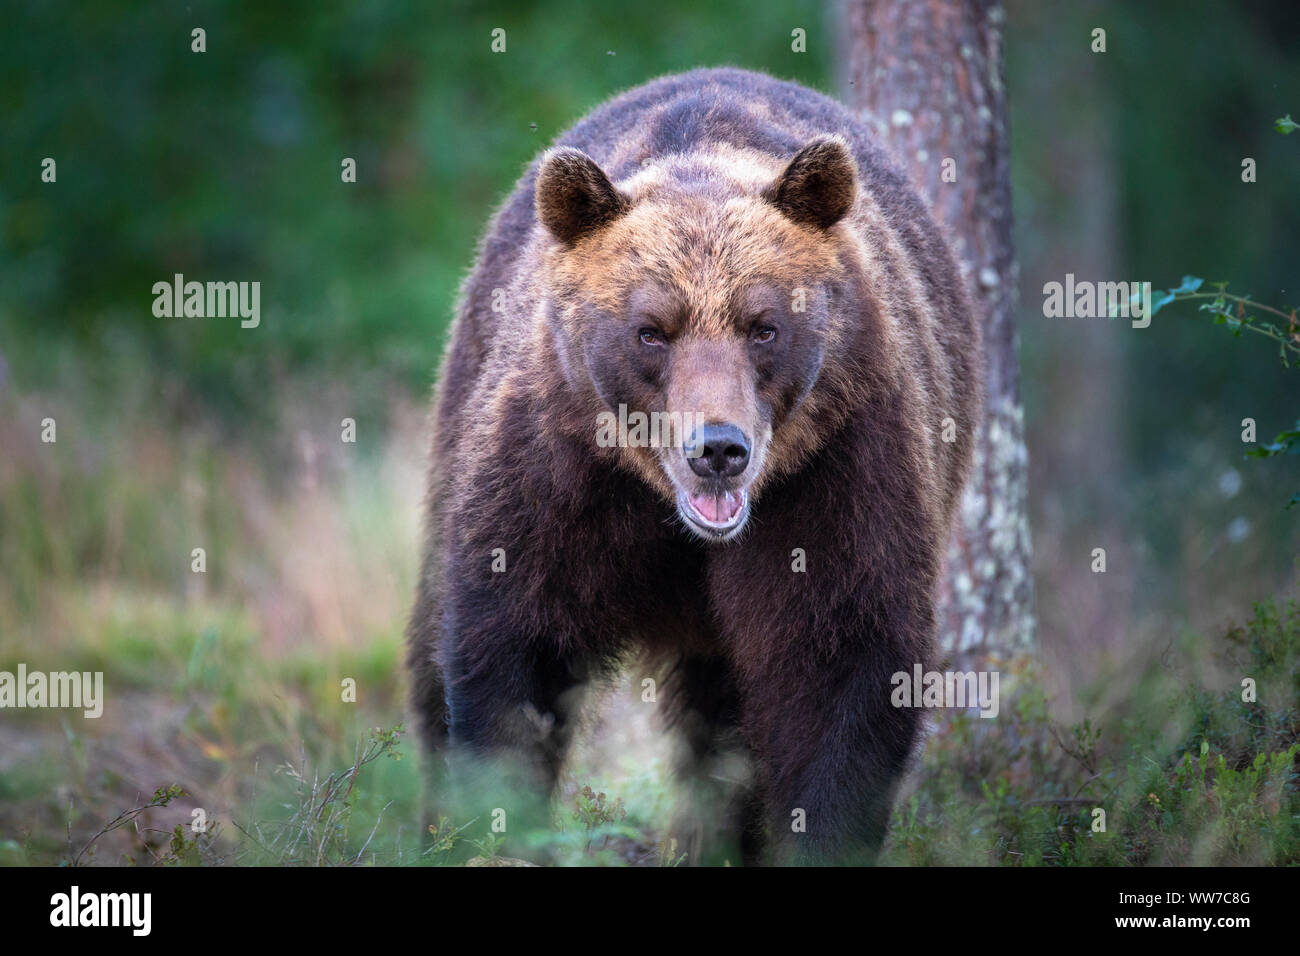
723	451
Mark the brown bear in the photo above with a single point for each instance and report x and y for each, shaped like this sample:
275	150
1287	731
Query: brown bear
734	257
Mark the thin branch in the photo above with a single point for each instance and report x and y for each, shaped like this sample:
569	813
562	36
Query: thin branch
1244	300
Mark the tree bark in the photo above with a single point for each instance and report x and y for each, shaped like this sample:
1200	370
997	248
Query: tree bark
927	75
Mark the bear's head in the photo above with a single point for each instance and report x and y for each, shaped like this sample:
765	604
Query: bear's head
695	301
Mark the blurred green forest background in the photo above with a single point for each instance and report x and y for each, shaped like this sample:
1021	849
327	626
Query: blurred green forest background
225	165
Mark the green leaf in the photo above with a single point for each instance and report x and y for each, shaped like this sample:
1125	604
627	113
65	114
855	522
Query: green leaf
1160	299
1295	500
1286	125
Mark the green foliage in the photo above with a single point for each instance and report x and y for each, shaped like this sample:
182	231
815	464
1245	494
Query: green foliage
1195	773
317	831
1237	312
182	851
1184	775
443	839
1240	313
592	810
489	845
161	798
666	853
599	817
309	823
1286	443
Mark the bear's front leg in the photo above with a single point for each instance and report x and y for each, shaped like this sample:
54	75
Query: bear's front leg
831	750
509	701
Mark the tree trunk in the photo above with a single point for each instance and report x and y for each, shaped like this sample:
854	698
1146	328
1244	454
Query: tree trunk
927	74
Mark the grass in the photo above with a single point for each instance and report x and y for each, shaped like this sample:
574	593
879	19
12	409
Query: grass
1183	772
1188	774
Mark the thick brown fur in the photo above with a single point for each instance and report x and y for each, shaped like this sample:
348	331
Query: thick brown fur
695	203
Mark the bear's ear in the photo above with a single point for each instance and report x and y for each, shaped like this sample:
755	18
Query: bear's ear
573	195
817	188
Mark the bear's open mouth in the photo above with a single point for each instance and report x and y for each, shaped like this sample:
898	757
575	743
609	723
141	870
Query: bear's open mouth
717	514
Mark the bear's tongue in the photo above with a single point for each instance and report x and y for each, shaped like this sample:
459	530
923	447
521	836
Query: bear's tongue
717	508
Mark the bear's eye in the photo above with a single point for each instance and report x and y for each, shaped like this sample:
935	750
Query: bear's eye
764	334
651	336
